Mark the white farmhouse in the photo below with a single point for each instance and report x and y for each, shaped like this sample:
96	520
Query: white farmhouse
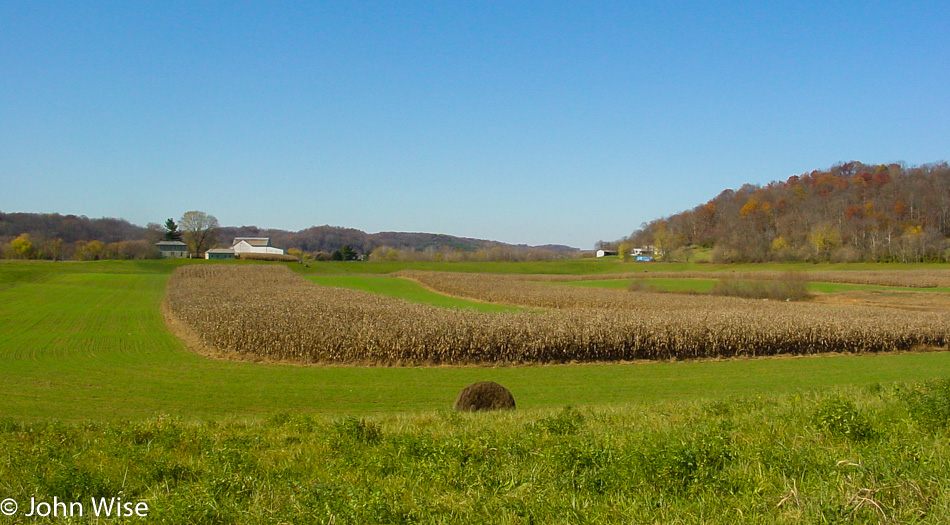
254	245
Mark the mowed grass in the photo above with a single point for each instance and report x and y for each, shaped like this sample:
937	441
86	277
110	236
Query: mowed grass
405	289
87	342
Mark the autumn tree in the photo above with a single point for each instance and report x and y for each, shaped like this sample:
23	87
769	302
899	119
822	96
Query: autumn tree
625	250
52	249
22	246
824	239
199	231
661	240
90	251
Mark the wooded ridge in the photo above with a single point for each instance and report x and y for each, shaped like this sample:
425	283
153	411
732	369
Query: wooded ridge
850	212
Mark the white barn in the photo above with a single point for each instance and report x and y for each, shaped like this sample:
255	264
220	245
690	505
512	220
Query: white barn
253	245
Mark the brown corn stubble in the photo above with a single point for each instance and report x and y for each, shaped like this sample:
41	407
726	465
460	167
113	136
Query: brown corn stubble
269	312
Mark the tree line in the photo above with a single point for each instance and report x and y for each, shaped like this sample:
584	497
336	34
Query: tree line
850	212
59	237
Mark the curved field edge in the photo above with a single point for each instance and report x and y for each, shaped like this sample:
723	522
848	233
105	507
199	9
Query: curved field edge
875	454
142	370
392	286
267	312
725	325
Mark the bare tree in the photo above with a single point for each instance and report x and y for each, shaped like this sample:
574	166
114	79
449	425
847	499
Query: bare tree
199	231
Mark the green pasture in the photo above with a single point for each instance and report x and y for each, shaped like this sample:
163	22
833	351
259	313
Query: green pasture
98	399
405	289
86	341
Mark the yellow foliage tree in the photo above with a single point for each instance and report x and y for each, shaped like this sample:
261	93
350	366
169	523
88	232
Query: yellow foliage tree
824	239
624	250
22	246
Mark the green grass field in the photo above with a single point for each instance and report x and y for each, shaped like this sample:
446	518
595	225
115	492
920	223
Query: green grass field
405	289
98	399
87	341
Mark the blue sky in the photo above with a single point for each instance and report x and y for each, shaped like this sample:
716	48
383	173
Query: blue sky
524	122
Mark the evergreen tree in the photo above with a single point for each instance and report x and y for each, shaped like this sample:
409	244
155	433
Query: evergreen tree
171	231
346	253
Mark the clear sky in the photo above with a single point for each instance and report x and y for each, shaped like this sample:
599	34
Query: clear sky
559	122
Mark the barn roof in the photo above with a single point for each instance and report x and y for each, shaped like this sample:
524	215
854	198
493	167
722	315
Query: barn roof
253	241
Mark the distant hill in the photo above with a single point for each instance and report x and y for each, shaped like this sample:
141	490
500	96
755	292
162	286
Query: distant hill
850	212
330	238
71	229
68	228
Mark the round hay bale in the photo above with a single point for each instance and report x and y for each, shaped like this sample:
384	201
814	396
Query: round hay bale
484	395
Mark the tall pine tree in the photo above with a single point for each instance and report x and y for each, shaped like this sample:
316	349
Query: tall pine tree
171	231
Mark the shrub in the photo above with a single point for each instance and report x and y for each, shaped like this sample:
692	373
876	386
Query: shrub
639	285
789	288
7	424
842	417
358	430
929	404
678	463
567	422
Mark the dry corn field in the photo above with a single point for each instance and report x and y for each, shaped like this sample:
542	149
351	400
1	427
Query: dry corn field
270	312
901	278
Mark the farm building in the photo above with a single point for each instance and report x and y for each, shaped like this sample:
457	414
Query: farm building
644	254
173	249
253	245
641	254
220	253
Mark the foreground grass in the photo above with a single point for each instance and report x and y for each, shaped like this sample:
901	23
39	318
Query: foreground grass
878	454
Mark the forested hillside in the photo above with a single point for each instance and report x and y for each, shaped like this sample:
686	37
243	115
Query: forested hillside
68	228
55	236
851	212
